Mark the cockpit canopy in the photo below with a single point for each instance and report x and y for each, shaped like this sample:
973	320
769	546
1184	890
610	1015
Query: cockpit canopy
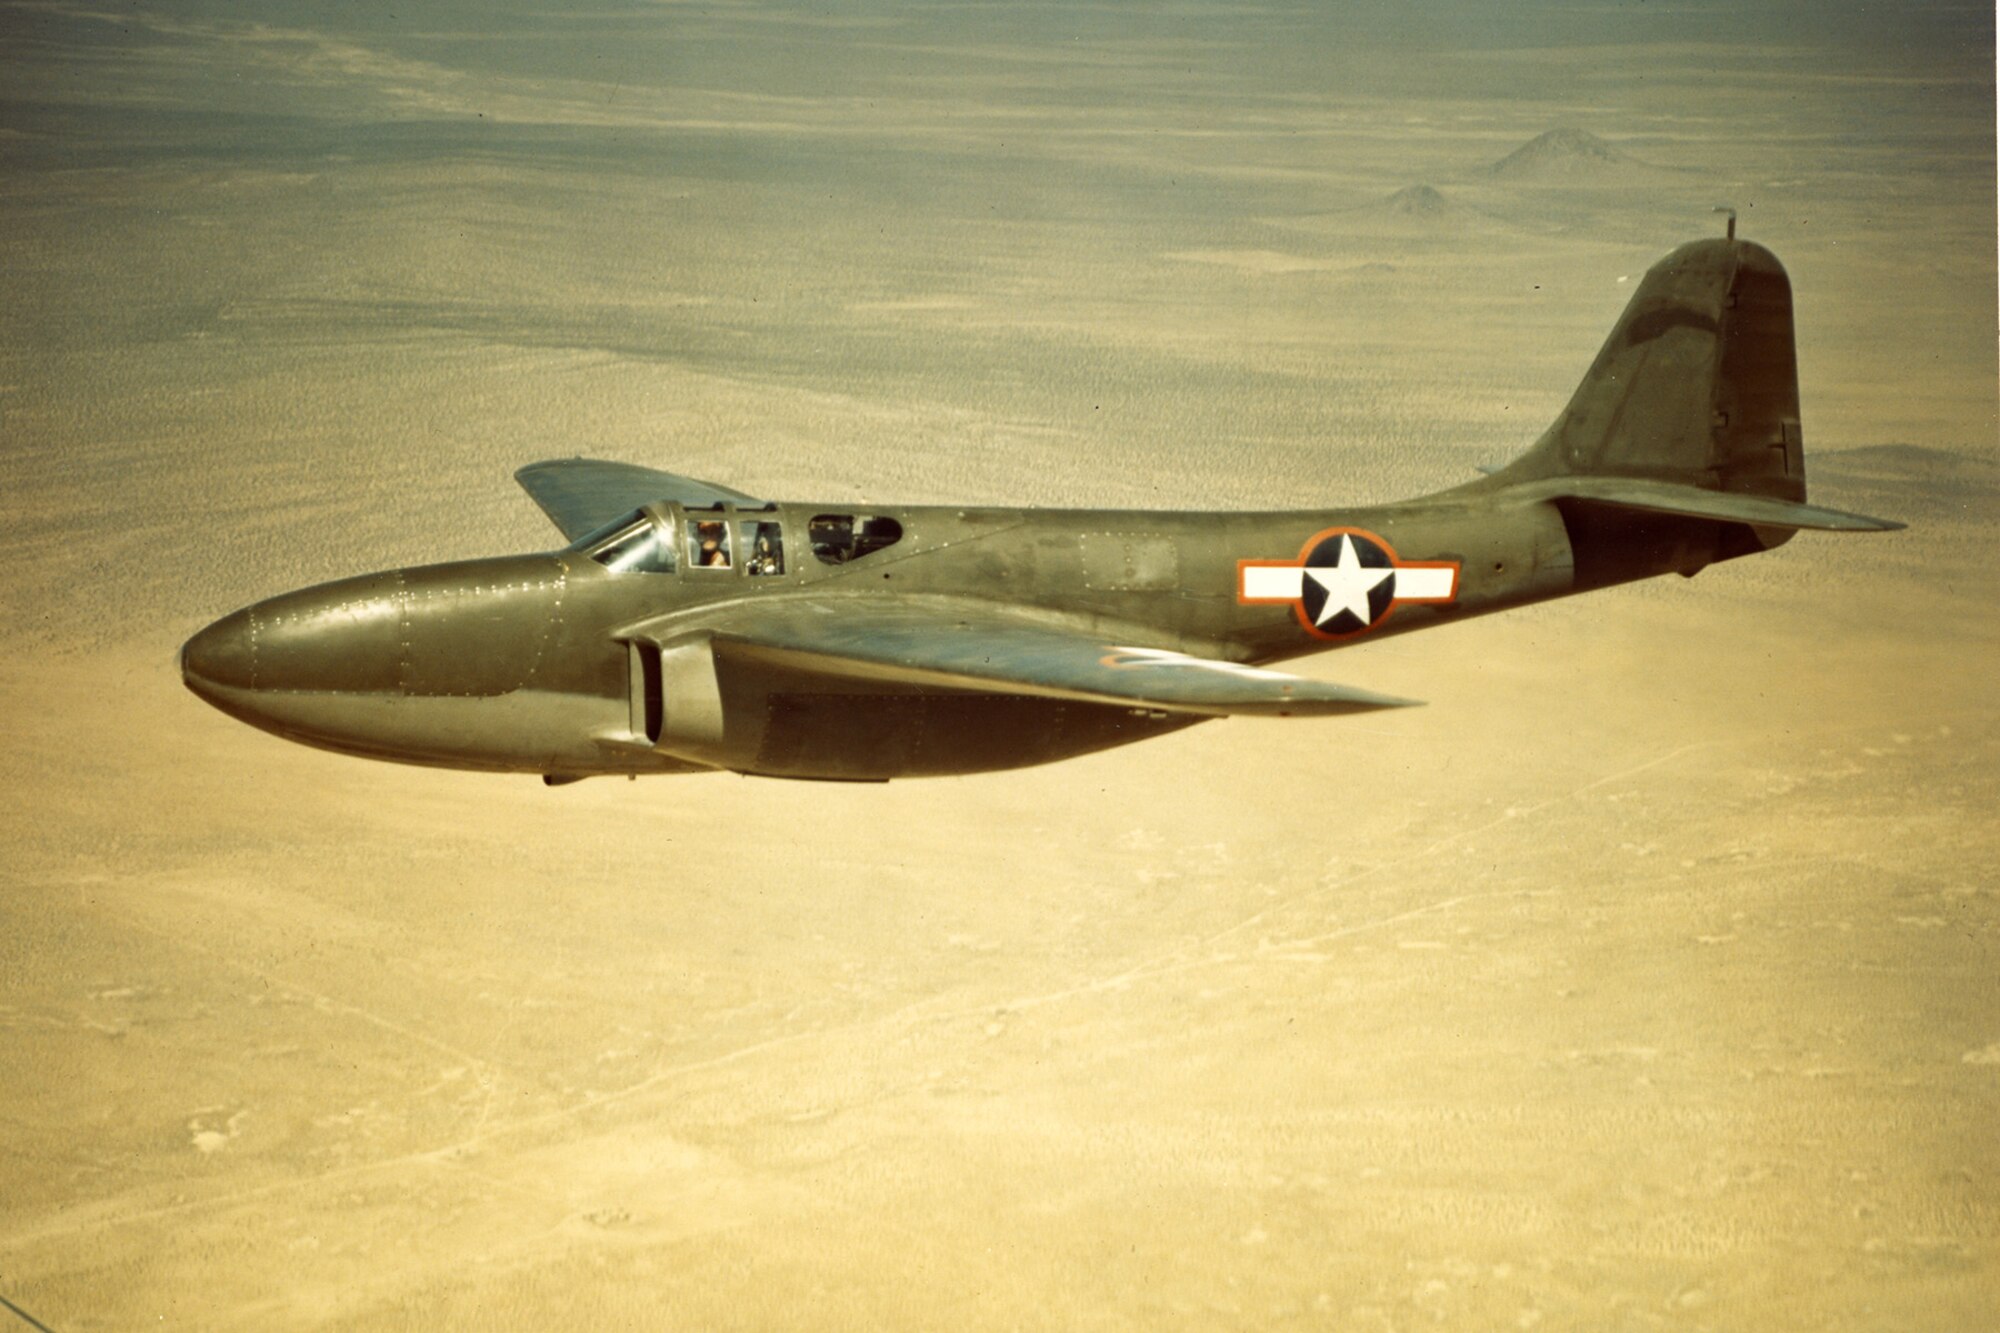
635	543
643	541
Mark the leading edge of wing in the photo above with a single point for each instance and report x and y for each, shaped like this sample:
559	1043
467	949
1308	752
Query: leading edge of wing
581	494
963	649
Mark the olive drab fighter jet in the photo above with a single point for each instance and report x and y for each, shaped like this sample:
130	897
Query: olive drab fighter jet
688	627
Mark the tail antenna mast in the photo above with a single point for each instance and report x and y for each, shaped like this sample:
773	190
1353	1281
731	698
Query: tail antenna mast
1730	233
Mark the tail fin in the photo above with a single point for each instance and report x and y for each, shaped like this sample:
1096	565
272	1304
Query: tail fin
1698	383
1682	444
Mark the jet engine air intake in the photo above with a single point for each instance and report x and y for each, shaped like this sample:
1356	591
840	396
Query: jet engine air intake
676	700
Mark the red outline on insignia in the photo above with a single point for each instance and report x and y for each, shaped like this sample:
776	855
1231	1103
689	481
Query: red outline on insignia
1298	604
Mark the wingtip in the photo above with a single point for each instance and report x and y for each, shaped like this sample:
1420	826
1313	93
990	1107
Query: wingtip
1393	701
1349	700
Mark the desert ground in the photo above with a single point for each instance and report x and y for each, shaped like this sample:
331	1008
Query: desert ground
1649	977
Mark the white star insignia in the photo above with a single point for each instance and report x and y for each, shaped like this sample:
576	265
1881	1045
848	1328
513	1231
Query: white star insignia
1347	582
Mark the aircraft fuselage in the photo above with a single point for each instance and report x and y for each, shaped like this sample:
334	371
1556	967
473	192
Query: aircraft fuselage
690	627
524	663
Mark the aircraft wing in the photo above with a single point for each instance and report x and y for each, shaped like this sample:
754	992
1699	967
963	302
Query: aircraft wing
580	494
953	644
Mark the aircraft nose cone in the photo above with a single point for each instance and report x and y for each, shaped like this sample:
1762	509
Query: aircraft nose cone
224	654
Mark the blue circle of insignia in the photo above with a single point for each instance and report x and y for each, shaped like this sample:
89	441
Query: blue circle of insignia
1326	555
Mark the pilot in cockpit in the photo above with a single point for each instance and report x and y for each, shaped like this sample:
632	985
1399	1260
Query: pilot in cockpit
710	540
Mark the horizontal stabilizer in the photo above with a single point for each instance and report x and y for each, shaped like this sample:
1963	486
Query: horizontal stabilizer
1665	497
946	644
582	494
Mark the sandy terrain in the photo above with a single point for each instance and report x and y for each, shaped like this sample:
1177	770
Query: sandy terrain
1647	978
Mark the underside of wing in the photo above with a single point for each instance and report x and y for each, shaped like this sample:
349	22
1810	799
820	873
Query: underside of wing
956	646
580	494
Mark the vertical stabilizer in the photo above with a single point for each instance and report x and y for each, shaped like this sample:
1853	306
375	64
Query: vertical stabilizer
1697	385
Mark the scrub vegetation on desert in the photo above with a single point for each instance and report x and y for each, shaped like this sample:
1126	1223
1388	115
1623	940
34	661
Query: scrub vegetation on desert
1649	977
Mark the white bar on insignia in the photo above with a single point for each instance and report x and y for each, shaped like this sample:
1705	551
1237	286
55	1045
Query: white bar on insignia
1278	582
1417	583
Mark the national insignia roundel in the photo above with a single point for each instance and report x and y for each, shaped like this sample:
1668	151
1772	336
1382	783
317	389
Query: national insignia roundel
1346	581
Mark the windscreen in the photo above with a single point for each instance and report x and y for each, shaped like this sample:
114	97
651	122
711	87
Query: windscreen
641	547
603	530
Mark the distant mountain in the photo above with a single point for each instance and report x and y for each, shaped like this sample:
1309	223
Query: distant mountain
1564	154
1418	201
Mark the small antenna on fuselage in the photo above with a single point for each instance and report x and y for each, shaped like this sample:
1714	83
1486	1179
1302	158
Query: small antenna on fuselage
1730	234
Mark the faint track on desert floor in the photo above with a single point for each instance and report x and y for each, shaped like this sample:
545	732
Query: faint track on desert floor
444	1155
24	1316
920	1013
320	1001
1179	961
387	1280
